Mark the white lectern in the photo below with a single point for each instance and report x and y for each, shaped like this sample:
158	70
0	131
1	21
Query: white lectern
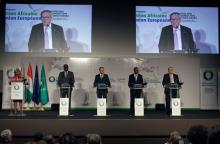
138	102
64	106
102	102
17	93
175	102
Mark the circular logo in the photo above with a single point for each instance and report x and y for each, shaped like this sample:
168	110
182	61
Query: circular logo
16	87
101	103
63	103
139	103
208	75
52	79
175	103
10	73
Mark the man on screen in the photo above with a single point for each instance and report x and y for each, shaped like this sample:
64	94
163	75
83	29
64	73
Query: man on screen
170	78
46	36
176	37
100	80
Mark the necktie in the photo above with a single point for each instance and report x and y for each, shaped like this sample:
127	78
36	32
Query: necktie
101	76
46	38
176	43
136	77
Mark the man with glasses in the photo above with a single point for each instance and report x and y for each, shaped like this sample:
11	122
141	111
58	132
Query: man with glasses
176	37
46	36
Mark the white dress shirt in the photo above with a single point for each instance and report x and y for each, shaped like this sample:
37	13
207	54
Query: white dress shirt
135	76
49	31
178	31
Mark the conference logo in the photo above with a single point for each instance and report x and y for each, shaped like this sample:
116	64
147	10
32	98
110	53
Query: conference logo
208	75
175	103
64	103
16	87
101	103
10	73
139	103
52	79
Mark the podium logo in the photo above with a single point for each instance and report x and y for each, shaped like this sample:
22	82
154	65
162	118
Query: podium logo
101	103
175	103
138	103
16	87
208	75
52	79
63	103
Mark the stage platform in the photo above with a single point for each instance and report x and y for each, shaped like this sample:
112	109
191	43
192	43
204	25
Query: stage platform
119	123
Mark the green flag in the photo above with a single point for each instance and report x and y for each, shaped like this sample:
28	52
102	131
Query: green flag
43	88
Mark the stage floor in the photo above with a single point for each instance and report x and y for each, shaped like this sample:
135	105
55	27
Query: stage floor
113	114
119	123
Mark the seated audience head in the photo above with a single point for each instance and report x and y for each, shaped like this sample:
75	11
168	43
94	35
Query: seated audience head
41	142
214	135
49	139
6	136
175	135
93	139
197	134
68	138
38	136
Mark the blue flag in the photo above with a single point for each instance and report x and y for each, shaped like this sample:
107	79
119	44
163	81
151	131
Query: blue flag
43	88
36	90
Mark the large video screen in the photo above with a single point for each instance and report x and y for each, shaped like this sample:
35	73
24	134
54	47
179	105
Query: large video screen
48	28
177	30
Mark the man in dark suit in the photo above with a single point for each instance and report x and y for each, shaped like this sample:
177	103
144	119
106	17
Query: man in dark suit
66	82
135	78
169	78
46	36
176	37
101	78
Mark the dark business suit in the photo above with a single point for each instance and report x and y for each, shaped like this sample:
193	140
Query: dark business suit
101	93
134	93
166	80
166	42
68	80
36	40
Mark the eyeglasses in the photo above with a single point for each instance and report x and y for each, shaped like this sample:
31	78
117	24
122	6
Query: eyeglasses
176	19
45	17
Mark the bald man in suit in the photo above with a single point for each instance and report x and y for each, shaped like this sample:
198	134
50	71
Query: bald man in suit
176	37
47	36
